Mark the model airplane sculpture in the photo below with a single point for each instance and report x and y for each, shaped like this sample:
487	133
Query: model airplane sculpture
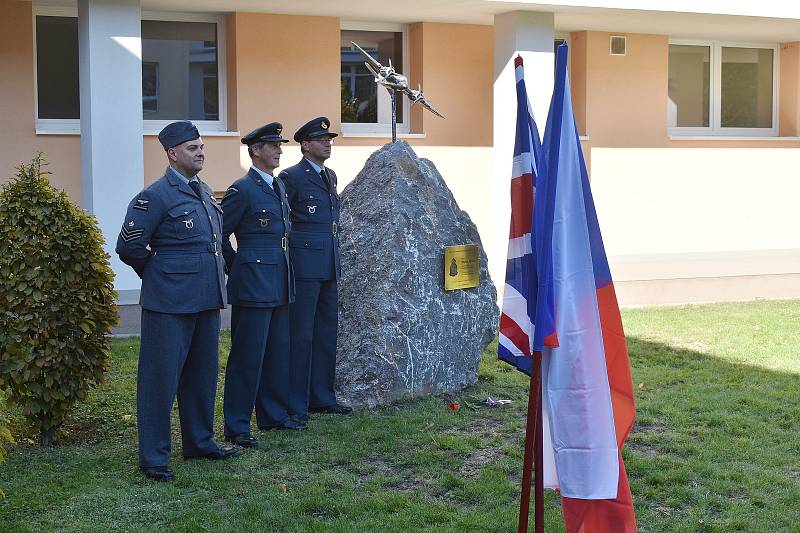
395	83
417	97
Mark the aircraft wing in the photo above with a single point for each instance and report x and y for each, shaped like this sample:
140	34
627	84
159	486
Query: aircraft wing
374	72
429	107
369	60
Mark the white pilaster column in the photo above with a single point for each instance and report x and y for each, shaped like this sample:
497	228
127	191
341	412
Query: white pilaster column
531	35
112	160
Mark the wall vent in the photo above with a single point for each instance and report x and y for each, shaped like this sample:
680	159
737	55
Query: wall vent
618	45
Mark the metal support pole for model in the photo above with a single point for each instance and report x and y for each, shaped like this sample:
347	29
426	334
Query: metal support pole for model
394	115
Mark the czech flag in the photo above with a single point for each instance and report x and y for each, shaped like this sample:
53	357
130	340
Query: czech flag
586	381
587	391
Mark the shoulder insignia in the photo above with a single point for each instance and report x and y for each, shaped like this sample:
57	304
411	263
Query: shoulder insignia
128	234
142	204
231	191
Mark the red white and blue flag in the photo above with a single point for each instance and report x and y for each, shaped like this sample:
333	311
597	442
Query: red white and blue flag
587	391
521	293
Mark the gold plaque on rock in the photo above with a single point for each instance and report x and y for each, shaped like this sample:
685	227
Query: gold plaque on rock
462	267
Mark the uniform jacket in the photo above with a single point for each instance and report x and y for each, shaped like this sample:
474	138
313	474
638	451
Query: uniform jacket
171	239
313	243
260	270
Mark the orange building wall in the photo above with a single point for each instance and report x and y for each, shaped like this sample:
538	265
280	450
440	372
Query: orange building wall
454	64
18	140
789	91
270	77
577	77
624	97
457	66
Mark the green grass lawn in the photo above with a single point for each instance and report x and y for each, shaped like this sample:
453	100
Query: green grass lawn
716	448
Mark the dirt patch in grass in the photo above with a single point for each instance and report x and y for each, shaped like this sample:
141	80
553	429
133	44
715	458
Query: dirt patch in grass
486	428
375	466
739	497
641	448
641	435
477	460
88	432
662	510
640	427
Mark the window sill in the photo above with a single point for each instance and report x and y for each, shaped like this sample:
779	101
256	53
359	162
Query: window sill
145	133
381	135
730	138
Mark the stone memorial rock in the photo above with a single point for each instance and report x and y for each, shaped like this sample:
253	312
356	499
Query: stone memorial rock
400	333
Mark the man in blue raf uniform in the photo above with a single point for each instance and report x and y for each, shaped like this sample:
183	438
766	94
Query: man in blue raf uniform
170	237
260	288
314	248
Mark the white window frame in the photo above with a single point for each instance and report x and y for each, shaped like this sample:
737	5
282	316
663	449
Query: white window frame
150	127
355	129
715	128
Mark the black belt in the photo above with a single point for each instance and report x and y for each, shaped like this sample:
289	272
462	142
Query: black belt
315	227
210	247
265	242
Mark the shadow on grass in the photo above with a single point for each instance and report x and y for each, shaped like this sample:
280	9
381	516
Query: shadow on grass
715	449
715	445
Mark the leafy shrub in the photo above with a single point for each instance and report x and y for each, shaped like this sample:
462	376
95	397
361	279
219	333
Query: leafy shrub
56	299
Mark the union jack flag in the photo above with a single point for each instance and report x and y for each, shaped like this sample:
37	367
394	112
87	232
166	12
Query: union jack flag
523	287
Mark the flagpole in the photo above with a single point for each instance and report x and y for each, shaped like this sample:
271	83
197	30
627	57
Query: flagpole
538	495
533	454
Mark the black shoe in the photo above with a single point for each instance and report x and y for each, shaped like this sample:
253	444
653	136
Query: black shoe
336	409
300	418
222	453
244	440
295	425
158	473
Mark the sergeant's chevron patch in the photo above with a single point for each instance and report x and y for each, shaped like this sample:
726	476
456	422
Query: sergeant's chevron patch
130	234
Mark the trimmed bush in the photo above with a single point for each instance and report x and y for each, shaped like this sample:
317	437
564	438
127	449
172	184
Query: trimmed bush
56	299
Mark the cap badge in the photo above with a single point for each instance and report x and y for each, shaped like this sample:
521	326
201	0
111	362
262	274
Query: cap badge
323	125
278	130
189	223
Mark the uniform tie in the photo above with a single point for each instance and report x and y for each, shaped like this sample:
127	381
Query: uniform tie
324	176
195	185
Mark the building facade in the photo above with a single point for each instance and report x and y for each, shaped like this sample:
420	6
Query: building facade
689	112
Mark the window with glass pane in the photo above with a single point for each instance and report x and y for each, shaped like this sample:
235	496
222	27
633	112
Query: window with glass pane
746	97
57	67
179	60
688	86
180	69
362	100
149	88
